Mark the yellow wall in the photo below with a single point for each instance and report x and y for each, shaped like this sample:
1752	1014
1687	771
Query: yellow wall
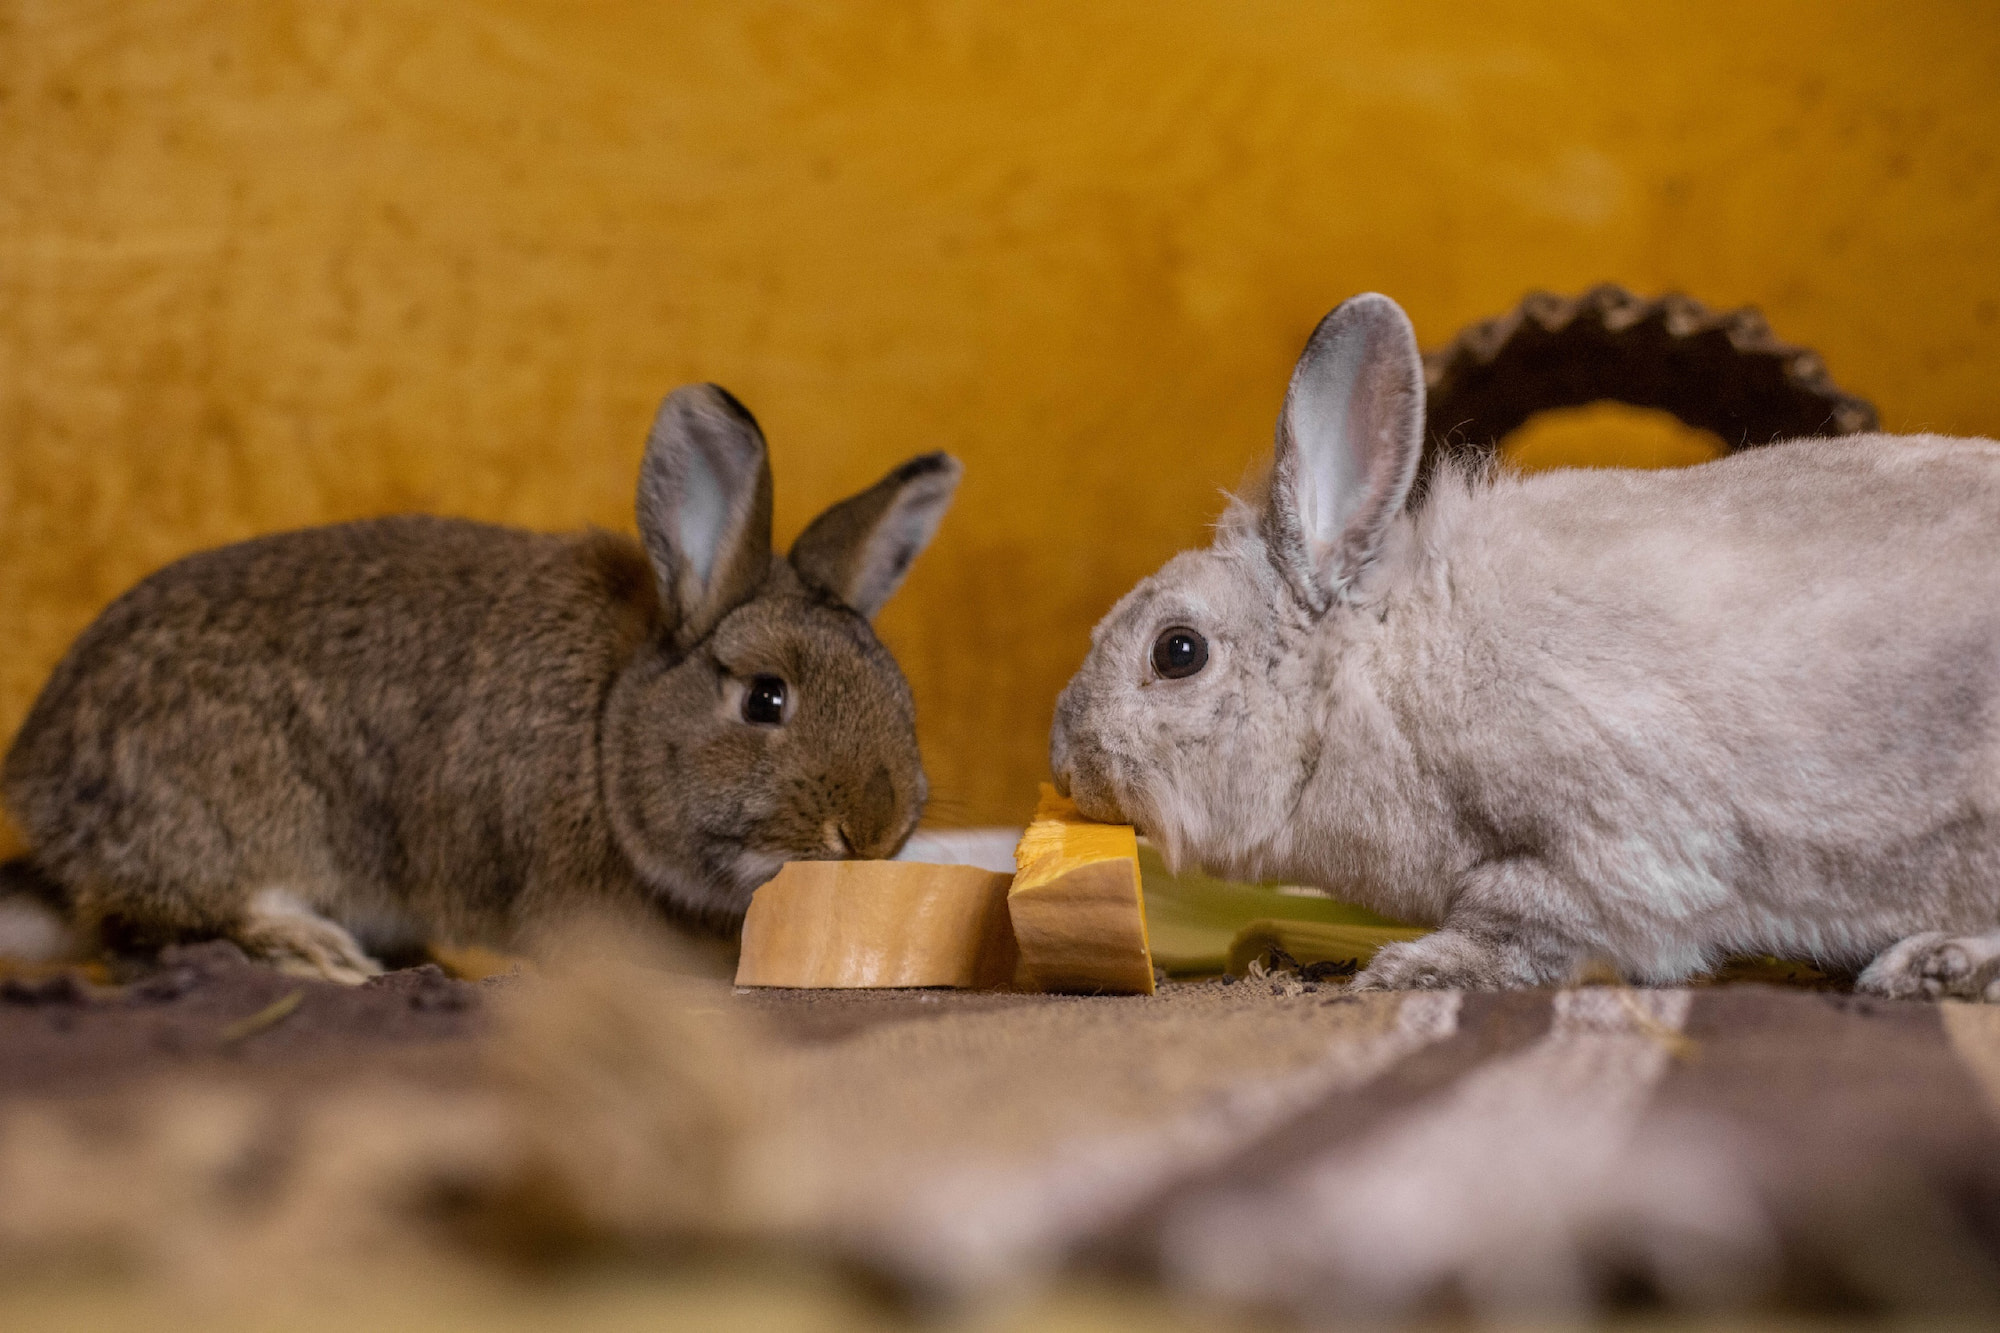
270	264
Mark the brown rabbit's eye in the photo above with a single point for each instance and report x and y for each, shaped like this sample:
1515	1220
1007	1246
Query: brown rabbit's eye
764	702
1179	652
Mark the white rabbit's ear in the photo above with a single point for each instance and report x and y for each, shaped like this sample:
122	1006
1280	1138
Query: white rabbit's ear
705	507
1349	441
860	549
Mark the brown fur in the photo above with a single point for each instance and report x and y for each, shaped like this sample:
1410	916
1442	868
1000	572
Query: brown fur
429	726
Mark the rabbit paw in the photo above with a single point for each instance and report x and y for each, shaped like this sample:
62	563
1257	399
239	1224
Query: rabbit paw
1448	960
284	932
1934	964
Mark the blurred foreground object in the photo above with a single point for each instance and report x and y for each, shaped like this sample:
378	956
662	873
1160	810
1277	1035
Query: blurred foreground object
1265	1146
244	1139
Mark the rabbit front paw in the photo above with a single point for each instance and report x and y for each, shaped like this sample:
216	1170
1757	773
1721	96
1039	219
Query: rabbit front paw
285	933
1448	960
1933	965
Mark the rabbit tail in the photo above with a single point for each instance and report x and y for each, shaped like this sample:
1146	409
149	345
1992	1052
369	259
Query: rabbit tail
35	914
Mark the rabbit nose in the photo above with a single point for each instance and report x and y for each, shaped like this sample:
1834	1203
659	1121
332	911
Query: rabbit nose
868	827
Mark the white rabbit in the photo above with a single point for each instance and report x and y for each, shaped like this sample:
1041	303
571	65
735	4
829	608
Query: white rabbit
1645	718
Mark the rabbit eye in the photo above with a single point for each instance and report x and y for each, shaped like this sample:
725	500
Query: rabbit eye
1179	652
764	701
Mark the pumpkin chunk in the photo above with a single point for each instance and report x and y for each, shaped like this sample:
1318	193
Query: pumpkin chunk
1078	911
865	924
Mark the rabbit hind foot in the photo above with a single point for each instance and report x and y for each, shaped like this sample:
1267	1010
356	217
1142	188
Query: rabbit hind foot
284	932
1933	965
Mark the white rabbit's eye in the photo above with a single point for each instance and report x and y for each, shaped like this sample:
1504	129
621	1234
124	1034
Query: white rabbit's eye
1179	652
764	701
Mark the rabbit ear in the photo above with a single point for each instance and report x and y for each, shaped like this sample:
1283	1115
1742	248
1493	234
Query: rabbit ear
705	507
1349	441
860	549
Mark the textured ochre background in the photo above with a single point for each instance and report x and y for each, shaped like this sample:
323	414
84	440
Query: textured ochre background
271	264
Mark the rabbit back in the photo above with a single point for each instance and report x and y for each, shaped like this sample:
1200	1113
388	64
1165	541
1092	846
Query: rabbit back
395	717
1753	705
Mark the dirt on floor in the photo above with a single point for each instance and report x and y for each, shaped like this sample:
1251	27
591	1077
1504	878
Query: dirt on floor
205	1009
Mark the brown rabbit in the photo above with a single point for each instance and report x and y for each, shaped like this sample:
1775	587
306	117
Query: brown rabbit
417	726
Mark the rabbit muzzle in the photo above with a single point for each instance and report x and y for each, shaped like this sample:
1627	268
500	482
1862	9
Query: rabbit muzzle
1076	775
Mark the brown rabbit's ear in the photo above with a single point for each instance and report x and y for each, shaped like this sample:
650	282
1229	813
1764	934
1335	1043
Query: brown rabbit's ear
860	549
705	507
1349	440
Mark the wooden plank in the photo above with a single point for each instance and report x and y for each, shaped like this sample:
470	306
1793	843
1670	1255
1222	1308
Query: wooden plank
869	924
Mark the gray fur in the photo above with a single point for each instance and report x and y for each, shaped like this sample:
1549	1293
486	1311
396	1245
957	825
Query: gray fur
442	728
1648	718
1349	441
